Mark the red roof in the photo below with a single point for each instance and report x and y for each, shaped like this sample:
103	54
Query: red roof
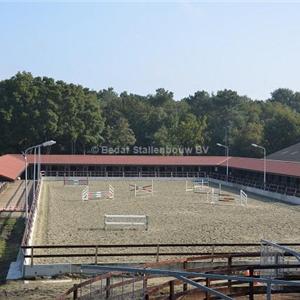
273	166
129	160
11	166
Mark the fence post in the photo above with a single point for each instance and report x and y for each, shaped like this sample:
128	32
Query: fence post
145	287
269	291
107	287
157	253
251	284
208	285
229	272
184	268
75	292
31	259
96	255
171	284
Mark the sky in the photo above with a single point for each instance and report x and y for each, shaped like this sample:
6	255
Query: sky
251	47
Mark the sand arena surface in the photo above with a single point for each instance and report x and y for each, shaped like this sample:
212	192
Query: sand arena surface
175	216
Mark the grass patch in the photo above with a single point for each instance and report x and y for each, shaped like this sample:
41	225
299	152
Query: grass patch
11	231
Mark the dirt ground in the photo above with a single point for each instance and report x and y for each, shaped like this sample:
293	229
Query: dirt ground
175	216
35	289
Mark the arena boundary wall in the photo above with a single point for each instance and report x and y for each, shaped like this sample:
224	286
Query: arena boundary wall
268	194
29	239
18	267
284	198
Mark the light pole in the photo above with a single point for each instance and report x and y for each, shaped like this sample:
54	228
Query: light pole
227	156
265	161
45	144
26	192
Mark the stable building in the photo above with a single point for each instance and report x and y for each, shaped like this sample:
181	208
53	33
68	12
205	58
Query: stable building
282	176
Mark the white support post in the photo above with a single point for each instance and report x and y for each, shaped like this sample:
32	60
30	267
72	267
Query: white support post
34	172
212	200
147	222
243	198
85	194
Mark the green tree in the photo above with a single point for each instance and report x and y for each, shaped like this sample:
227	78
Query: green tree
35	109
282	126
286	97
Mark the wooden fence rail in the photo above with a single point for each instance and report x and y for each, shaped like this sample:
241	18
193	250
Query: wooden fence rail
143	250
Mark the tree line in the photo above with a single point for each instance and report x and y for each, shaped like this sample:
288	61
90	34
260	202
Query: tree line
35	109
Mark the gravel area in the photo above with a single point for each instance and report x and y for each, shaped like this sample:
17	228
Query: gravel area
175	216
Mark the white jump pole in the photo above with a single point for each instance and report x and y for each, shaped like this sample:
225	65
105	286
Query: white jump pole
152	188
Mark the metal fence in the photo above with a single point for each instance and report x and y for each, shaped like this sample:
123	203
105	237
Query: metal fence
272	187
96	253
224	282
124	174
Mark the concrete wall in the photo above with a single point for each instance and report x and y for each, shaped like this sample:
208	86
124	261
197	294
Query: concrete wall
34	221
268	194
58	269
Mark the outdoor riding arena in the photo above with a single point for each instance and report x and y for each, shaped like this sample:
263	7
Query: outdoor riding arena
157	211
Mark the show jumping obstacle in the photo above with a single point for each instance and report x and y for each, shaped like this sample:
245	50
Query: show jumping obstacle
141	190
12	209
75	182
228	198
243	198
126	221
213	195
87	195
199	186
